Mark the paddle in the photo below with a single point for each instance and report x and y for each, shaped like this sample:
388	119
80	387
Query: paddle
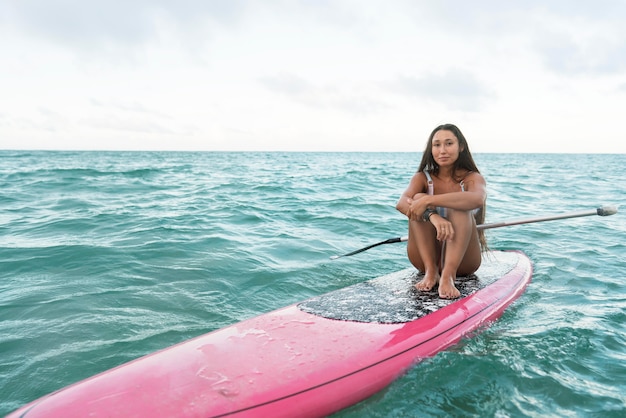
602	211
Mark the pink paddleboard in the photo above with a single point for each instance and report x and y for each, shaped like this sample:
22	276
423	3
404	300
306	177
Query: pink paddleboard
306	360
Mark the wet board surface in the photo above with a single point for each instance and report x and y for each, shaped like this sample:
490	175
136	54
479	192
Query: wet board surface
393	298
308	359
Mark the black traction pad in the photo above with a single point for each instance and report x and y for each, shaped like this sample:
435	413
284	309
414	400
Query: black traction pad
393	299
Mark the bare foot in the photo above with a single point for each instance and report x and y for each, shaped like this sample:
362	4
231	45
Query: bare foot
447	290
427	283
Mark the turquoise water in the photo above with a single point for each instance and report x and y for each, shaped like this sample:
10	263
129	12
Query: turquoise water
105	257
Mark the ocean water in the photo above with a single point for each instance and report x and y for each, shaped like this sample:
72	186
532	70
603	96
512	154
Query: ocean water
108	256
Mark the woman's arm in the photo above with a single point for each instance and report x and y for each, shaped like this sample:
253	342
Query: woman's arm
473	197
416	185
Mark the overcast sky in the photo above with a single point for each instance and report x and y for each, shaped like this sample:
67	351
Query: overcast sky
328	75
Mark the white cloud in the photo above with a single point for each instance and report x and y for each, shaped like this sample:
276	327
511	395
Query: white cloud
457	89
297	75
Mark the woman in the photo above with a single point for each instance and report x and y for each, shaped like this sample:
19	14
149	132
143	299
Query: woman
444	201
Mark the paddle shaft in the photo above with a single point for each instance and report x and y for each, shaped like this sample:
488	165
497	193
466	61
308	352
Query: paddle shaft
601	211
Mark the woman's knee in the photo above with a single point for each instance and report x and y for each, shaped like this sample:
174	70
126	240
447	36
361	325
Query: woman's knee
461	219
461	215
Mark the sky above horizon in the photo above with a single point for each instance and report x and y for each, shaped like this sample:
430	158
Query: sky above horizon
326	75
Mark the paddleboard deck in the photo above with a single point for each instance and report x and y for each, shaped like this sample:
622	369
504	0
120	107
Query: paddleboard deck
308	359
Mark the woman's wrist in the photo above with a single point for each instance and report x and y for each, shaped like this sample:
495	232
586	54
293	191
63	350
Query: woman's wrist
427	214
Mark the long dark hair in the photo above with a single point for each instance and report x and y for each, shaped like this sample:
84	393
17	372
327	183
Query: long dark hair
464	162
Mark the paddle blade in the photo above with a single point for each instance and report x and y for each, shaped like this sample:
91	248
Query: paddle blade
360	250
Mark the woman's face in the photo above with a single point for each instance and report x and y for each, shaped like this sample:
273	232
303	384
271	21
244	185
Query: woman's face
445	148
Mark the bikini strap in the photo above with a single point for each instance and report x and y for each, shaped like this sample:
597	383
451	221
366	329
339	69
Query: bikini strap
463	184
431	187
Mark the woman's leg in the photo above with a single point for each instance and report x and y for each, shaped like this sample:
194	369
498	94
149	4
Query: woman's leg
462	254
424	252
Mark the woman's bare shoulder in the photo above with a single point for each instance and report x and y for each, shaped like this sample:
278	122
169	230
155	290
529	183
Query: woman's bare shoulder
418	182
472	176
471	179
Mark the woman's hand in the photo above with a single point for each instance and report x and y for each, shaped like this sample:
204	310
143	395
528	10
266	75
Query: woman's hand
417	206
444	228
